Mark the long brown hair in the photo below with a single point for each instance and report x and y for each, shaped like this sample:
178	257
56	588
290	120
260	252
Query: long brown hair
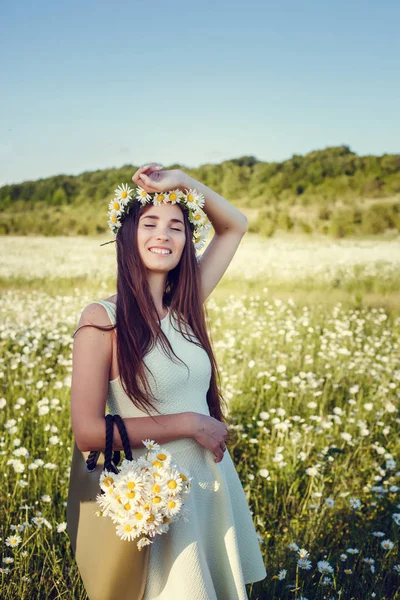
137	320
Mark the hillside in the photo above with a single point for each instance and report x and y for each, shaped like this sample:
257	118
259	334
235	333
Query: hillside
331	191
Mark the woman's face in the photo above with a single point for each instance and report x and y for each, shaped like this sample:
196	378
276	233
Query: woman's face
161	227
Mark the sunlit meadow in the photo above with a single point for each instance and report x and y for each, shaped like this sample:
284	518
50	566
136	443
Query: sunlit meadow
306	334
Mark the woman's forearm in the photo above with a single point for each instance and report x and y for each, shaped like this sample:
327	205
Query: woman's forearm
161	429
222	214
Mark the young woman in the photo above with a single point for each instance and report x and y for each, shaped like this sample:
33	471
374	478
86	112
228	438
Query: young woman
154	366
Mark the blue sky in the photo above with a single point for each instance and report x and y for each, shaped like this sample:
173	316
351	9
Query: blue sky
90	85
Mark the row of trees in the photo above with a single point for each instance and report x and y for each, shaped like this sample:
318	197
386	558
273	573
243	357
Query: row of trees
326	179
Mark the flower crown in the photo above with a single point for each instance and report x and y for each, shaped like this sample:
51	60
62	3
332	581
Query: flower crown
191	200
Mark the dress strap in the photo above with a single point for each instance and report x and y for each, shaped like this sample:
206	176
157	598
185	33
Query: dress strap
110	308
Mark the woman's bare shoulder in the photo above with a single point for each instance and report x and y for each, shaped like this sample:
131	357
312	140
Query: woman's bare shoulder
94	314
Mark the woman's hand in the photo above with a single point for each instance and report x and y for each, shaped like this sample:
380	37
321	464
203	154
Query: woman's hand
210	433
152	179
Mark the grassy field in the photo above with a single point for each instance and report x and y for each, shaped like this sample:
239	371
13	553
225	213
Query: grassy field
307	337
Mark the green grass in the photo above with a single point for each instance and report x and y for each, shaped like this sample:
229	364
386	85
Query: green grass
311	372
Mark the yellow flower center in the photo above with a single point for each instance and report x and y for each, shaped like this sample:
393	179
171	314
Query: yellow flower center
131	494
116	205
165	520
130	485
156	488
171	504
138	516
128	527
150	519
172	196
160	197
156	475
108	481
156	463
127	506
146	506
143	193
118	498
124	194
162	456
190	197
182	476
197	217
114	219
172	484
156	500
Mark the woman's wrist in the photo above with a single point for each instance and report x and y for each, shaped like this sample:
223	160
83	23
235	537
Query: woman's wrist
189	424
187	182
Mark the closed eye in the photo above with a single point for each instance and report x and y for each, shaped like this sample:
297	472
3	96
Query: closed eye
174	228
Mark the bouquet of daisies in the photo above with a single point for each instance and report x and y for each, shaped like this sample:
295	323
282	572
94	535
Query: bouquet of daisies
145	496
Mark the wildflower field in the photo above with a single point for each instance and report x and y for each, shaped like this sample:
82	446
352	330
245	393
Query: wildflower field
306	333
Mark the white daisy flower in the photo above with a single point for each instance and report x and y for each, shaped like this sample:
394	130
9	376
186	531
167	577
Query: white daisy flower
151	444
198	218
194	200
173	482
174	197
142	196
173	506
113	220
123	192
128	530
163	457
159	198
116	205
144	541
13	541
107	483
199	241
131	489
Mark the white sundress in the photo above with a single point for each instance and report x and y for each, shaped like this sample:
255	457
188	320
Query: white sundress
214	555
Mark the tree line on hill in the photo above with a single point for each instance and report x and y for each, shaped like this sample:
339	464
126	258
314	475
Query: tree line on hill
331	191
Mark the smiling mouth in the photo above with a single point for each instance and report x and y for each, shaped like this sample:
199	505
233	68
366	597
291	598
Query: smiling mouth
160	252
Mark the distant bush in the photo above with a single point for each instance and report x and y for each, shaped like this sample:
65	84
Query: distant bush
305	227
342	223
285	222
268	228
324	213
379	217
